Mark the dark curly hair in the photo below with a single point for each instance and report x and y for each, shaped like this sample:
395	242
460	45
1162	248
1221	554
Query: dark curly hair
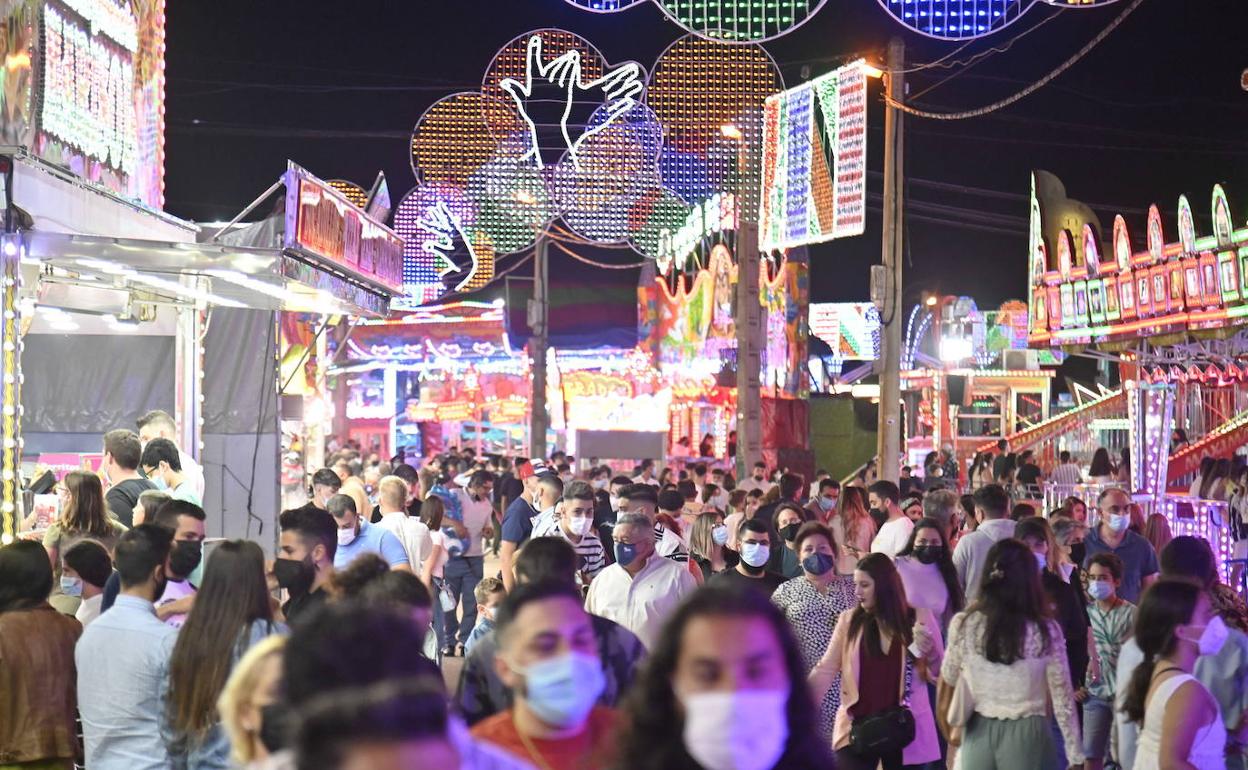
653	736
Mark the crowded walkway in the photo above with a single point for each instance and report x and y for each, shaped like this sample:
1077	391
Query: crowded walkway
492	612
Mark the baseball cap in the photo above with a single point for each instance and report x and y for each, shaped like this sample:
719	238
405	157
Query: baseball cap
533	468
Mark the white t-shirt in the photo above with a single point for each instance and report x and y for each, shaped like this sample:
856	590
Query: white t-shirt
476	514
412	533
174	590
89	609
436	537
892	536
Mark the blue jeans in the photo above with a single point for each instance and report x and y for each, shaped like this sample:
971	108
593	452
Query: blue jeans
462	573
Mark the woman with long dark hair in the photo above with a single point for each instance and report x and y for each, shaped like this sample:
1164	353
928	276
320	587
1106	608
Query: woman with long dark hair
853	529
724	680
1174	625
1102	470
813	603
37	677
1010	657
927	572
232	612
886	653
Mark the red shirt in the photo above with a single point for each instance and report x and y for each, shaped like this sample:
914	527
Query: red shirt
591	749
879	680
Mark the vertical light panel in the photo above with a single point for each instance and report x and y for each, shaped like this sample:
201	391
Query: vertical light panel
10	389
814	161
1150	410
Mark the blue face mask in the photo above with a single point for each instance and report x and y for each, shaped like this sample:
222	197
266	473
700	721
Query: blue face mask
625	553
562	690
818	563
827	503
1100	589
158	480
71	586
755	554
719	534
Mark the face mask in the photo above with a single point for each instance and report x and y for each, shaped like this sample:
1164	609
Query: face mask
71	586
1213	637
615	503
818	563
600	483
827	503
719	534
579	525
159	481
755	554
562	690
876	513
1100	589
346	536
185	557
274	732
713	734
625	553
928	554
1042	559
1118	521
1077	553
294	575
758	478
1067	571
789	532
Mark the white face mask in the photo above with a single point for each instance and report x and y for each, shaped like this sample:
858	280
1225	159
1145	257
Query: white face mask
599	483
579	525
1119	521
714	735
346	536
1212	637
755	554
615	503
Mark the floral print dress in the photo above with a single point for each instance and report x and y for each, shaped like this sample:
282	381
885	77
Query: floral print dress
812	616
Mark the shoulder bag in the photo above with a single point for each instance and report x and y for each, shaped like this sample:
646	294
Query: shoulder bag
890	730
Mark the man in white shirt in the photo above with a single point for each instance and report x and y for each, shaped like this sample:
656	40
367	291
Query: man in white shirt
642	588
892	538
411	531
158	424
646	476
758	480
1067	472
992	506
463	571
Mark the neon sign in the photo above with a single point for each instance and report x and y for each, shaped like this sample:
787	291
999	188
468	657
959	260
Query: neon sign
814	161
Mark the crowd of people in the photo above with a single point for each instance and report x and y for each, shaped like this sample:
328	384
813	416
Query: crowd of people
654	618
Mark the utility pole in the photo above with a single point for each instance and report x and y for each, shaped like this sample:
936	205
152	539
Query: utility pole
749	316
539	317
889	428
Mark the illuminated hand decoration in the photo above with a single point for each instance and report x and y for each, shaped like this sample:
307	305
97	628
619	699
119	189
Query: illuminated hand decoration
620	89
445	227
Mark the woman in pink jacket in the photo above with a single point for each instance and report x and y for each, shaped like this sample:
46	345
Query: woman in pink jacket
886	653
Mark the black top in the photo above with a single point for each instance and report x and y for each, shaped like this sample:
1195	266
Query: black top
1070	613
999	464
303	606
123	496
768	583
1028	474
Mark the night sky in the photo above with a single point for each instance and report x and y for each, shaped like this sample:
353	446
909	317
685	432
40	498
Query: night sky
1156	110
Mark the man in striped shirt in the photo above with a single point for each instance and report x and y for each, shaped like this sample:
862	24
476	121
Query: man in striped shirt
576	525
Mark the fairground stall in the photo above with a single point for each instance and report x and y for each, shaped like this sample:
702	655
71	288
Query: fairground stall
1172	313
111	307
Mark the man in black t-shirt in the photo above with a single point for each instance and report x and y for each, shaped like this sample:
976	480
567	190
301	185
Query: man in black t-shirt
1028	473
122	451
305	559
1001	461
754	540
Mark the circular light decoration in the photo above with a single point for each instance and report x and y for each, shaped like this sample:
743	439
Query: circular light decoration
443	248
604	6
355	194
661	219
966	19
709	96
742	21
459	134
512	200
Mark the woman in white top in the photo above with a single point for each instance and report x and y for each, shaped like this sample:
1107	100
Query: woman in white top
852	528
927	572
1182	727
432	509
1012	658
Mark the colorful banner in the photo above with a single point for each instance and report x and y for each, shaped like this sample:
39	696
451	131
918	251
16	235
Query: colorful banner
851	329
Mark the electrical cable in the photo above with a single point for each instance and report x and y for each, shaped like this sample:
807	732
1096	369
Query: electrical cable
265	387
604	265
1036	86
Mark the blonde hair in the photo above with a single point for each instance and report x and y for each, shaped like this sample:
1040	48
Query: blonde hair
240	692
354	489
392	490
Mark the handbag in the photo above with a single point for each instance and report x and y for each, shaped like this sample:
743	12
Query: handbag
446	597
890	730
962	704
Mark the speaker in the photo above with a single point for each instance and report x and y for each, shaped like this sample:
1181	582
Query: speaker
956	385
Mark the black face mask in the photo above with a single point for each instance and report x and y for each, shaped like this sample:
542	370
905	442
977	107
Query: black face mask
185	557
295	575
928	554
878	513
1077	553
789	532
275	720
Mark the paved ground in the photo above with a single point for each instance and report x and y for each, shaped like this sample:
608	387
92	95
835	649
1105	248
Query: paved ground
452	666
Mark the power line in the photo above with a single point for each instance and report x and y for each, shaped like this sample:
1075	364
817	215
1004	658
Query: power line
1036	86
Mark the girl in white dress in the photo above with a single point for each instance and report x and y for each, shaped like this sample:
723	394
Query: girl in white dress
1182	727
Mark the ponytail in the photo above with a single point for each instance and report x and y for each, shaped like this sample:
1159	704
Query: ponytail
1165	606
